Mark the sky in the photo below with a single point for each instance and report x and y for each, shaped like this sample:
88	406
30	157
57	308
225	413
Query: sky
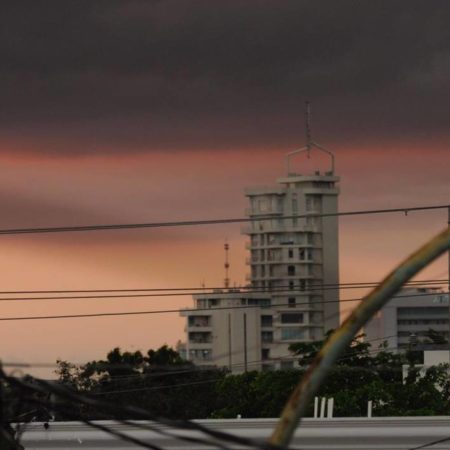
147	111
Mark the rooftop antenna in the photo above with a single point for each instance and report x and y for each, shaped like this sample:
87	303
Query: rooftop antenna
308	127
309	144
226	265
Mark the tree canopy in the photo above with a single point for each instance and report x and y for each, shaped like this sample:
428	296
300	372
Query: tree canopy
167	386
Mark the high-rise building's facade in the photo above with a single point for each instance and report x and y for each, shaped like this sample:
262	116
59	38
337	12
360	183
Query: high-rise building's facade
294	251
292	294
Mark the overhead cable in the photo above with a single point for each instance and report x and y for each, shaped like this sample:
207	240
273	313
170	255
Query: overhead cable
187	223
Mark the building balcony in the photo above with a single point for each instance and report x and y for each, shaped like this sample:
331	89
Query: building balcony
200	355
275	210
200	345
259	227
274	258
199	337
198	321
199	327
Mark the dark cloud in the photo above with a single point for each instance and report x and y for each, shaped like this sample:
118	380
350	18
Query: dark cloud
174	73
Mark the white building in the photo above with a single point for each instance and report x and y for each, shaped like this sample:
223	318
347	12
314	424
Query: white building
230	328
408	317
293	282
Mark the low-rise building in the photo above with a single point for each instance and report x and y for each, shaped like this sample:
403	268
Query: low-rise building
239	330
408	317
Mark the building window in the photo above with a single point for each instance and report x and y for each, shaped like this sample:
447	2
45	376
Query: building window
301	254
200	337
292	334
265	353
291	270
263	206
201	354
291	285
302	285
199	321
423	310
308	204
266	336
291	302
286	365
294	204
266	321
290	253
201	304
292	318
262	302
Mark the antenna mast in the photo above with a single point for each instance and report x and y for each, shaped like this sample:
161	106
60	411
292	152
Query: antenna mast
309	145
226	265
308	127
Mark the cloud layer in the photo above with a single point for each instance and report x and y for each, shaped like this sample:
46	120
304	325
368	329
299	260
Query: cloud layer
136	75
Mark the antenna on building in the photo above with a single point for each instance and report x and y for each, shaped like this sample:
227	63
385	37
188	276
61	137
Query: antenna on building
226	265
308	127
309	144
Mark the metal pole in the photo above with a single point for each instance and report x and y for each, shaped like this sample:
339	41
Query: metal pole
245	342
229	341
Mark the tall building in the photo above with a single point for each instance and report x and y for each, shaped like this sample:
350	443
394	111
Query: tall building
292	294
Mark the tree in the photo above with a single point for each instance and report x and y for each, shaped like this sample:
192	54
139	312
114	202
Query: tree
161	382
255	394
359	376
435	337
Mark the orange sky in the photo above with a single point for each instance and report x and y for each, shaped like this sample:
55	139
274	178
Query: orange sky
188	185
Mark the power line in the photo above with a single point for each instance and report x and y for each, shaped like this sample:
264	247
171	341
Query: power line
184	223
175	292
210	290
167	311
